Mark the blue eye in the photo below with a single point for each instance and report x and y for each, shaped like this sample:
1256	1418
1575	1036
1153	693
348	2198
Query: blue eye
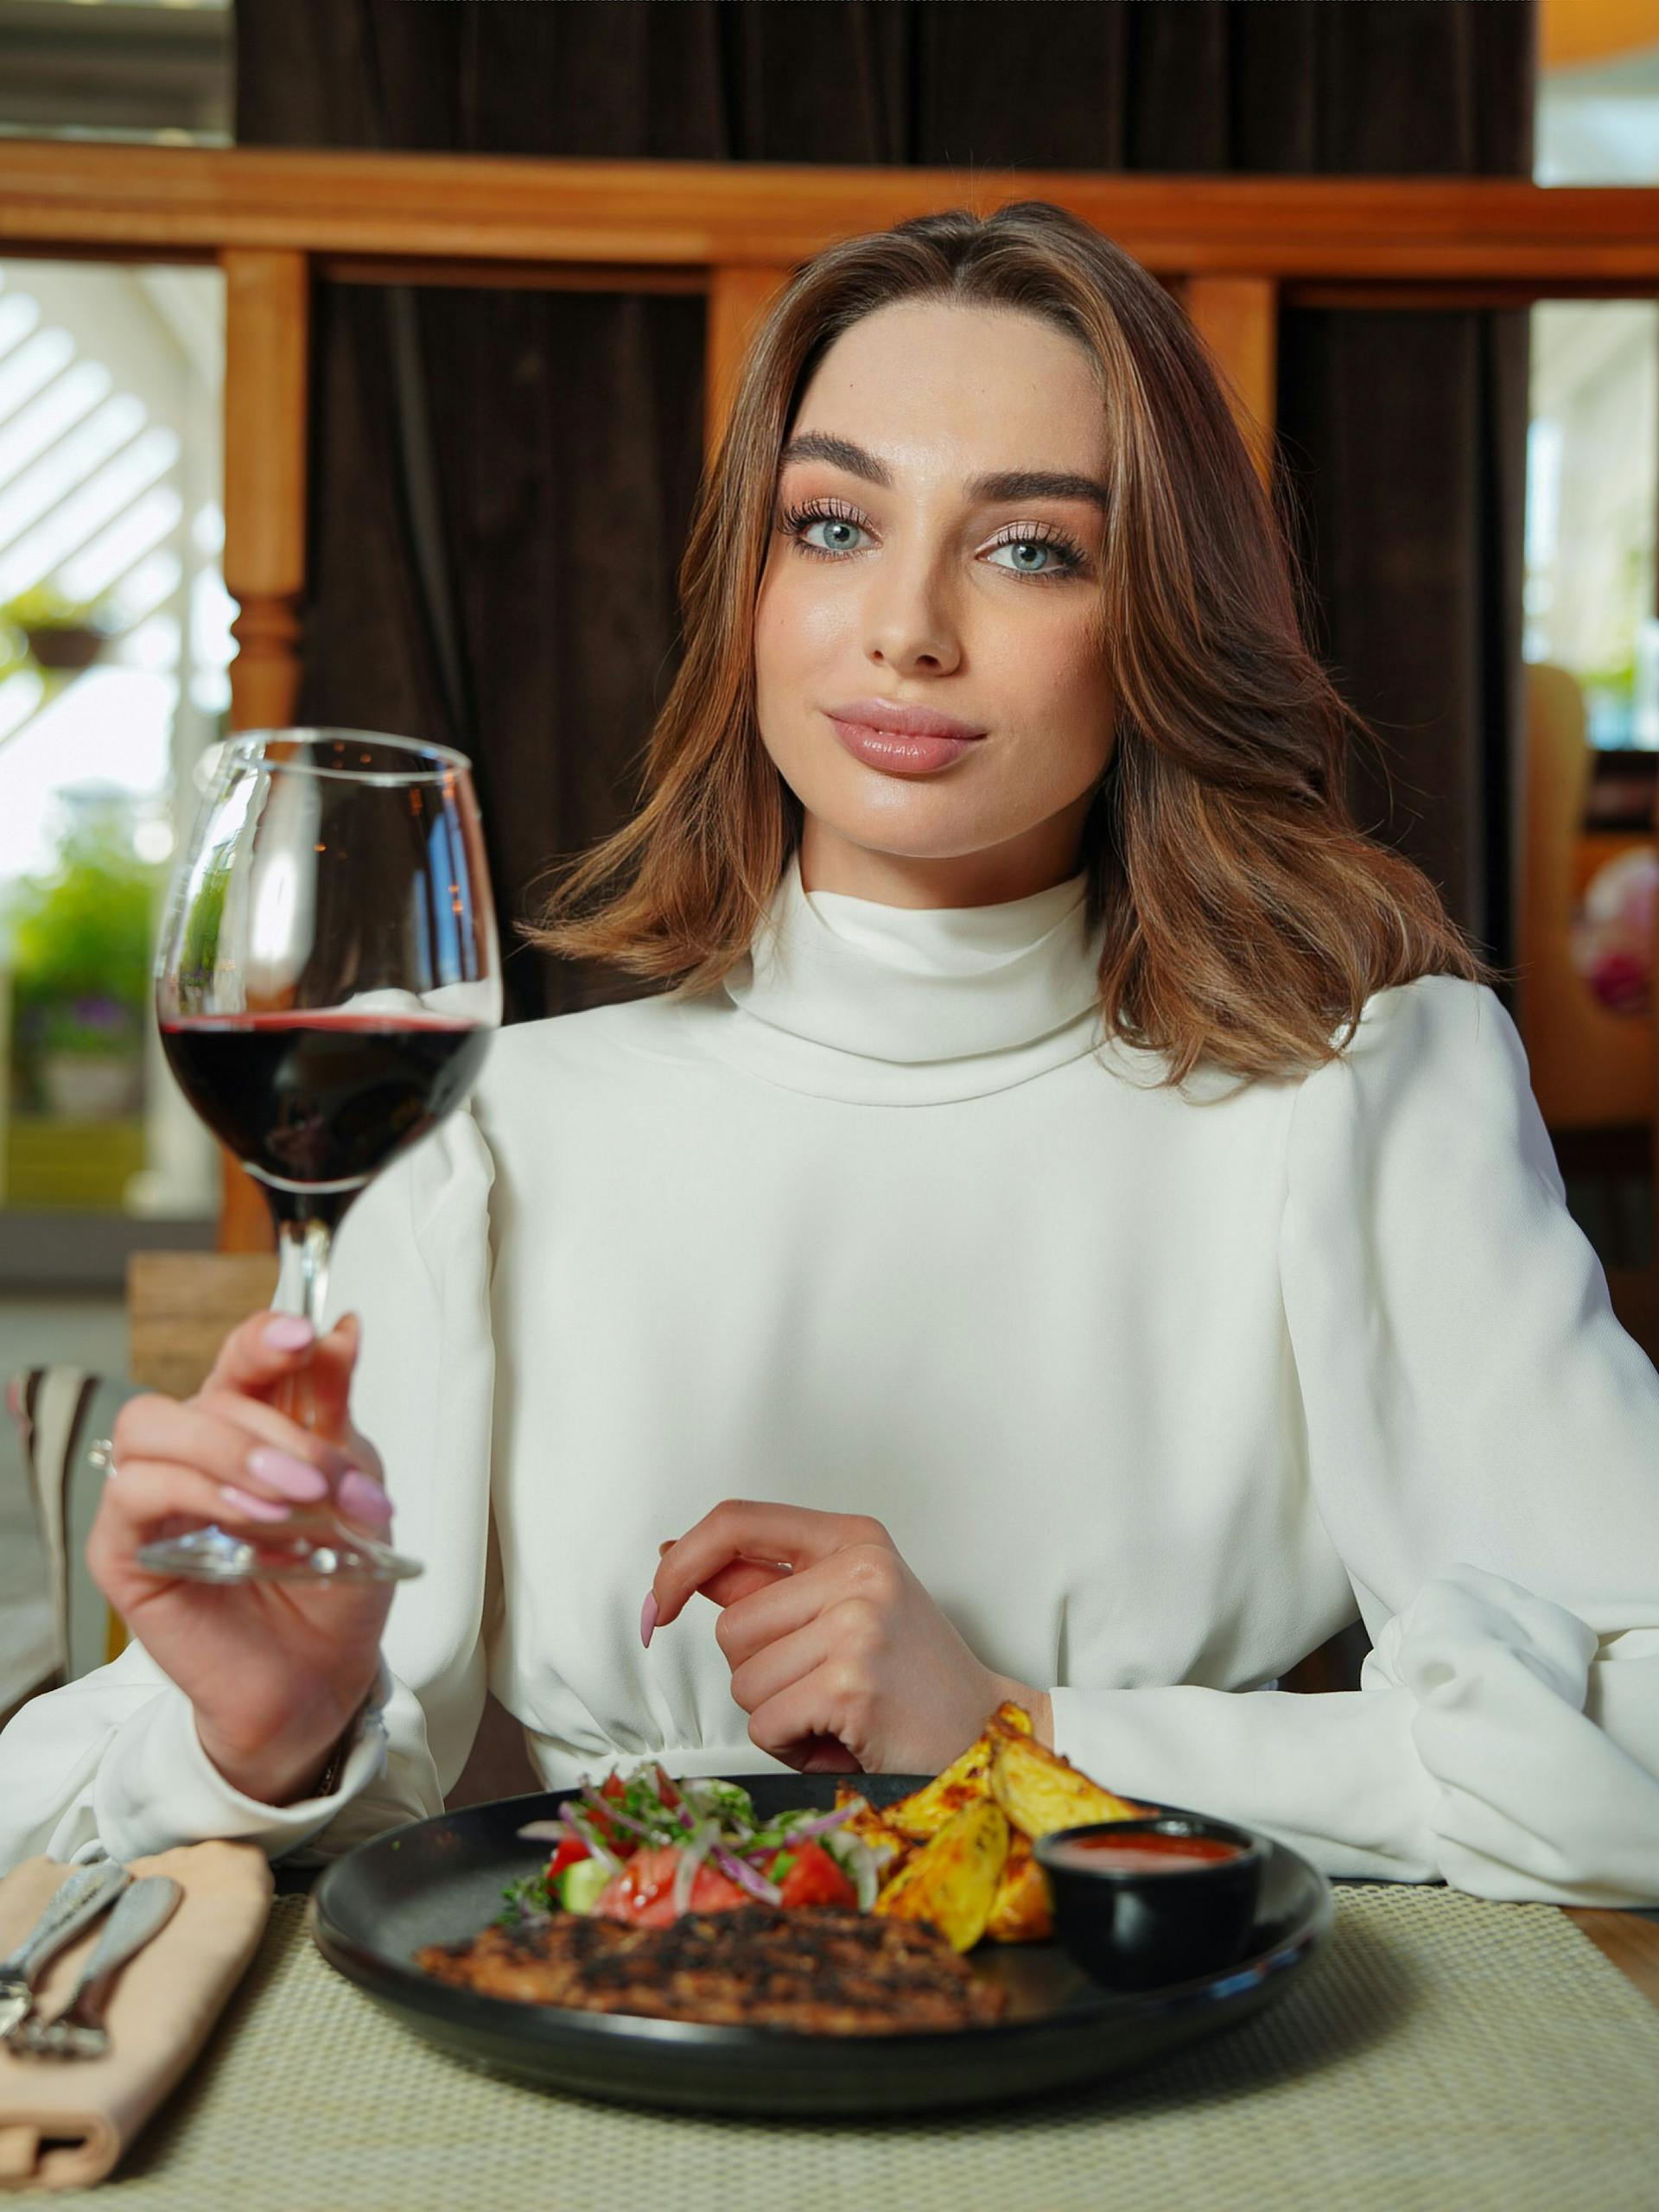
1030	557
835	523
1064	558
1037	545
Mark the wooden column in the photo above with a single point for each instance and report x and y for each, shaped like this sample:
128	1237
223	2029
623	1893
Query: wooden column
267	320
739	295
1237	318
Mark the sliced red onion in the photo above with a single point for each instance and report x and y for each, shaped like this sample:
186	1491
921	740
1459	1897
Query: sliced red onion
692	1854
543	1832
745	1876
820	1825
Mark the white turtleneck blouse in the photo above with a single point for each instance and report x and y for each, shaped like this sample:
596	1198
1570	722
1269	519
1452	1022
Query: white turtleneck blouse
1154	1391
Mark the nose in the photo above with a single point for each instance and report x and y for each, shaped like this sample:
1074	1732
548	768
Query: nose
910	626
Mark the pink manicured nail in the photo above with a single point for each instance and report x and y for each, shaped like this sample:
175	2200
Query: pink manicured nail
292	1477
289	1332
361	1497
648	1618
253	1508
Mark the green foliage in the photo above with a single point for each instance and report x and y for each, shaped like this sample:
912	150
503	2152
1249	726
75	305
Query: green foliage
44	607
80	946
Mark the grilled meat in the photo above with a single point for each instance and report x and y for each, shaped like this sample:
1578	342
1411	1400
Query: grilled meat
820	1972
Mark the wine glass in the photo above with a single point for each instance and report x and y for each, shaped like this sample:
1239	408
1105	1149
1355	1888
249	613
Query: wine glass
326	983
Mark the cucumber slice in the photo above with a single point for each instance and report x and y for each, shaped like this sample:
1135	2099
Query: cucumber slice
580	1883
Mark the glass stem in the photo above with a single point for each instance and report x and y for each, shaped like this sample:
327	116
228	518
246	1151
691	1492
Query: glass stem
301	1287
302	1273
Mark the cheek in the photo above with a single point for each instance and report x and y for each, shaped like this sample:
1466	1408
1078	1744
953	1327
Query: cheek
795	627
1054	675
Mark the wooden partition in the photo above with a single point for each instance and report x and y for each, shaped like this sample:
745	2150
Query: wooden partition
1236	249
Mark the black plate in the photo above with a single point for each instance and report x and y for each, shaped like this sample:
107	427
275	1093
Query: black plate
440	1881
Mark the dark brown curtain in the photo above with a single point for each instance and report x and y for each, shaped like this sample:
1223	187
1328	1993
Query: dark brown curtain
503	480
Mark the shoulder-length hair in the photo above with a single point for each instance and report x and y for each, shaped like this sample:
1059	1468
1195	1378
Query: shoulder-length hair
1247	917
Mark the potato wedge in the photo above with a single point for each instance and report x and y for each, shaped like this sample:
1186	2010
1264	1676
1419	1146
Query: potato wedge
1039	1791
926	1811
952	1880
1022	1910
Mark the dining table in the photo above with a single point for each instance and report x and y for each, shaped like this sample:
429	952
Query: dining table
1441	2050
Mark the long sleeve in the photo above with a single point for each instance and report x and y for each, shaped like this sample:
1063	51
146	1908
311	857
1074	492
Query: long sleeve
1483	1446
112	1763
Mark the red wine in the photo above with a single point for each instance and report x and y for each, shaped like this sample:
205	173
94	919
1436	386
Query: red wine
309	1099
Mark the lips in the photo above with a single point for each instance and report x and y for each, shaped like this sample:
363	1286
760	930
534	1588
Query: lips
897	752
901	720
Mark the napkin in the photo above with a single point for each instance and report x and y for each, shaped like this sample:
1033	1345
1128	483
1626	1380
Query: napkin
65	2123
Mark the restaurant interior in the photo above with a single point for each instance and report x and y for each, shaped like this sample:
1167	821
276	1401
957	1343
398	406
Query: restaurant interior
358	364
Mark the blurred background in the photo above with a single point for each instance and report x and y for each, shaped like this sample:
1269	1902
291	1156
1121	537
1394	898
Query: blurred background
501	479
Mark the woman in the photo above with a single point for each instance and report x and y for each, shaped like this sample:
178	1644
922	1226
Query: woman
1077	1203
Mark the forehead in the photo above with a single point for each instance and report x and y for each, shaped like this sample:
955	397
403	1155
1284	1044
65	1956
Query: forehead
933	382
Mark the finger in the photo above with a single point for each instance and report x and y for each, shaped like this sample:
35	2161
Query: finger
742	1528
318	1394
738	1580
819	1755
261	1351
298	1468
822	1755
149	1495
778	1665
362	1500
264	1424
795	1725
761	1616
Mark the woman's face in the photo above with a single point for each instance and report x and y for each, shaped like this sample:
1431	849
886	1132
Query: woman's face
937	546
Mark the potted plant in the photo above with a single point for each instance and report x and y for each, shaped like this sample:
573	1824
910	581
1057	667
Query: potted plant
64	635
81	962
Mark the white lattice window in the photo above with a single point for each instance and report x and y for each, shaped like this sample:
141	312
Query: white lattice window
111	522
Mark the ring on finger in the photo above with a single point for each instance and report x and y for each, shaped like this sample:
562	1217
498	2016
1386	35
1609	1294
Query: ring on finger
100	1454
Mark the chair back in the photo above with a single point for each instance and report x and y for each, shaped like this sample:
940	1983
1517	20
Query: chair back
181	1305
60	1412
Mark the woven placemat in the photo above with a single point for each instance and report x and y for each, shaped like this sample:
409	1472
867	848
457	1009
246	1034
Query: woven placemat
1444	2052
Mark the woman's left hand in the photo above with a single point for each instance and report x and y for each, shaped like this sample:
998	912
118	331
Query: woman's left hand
841	1659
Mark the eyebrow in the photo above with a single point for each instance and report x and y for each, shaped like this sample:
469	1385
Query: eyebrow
1007	484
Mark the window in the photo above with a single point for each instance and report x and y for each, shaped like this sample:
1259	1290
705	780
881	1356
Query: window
114	646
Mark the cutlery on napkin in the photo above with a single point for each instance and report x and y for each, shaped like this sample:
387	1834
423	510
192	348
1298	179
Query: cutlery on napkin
88	1891
80	2030
65	2126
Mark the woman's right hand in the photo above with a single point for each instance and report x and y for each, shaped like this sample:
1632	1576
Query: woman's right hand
275	1670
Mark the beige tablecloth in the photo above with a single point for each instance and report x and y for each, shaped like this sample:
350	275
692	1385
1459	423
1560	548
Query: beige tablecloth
1444	2056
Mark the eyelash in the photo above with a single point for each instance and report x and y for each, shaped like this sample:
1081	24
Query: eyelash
795	521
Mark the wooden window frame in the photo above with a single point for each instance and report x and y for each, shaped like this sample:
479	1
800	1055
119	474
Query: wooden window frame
1238	249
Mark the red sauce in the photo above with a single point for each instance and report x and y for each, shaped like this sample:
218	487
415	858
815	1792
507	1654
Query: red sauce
1150	1851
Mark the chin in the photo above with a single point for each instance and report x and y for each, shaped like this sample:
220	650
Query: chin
916	825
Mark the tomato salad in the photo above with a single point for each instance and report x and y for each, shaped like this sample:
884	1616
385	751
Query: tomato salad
646	1850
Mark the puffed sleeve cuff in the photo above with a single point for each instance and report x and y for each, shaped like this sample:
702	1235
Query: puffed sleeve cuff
156	1787
1334	1776
1531	1798
1495	1744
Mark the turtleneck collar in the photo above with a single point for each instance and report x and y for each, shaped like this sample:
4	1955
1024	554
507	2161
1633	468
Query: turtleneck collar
901	1005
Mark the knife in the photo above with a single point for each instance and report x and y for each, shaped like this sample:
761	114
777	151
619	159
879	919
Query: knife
76	1903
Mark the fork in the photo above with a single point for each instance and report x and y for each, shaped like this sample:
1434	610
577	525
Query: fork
74	1905
79	2030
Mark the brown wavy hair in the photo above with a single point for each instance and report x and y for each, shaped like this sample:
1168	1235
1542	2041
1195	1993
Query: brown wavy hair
1247	917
